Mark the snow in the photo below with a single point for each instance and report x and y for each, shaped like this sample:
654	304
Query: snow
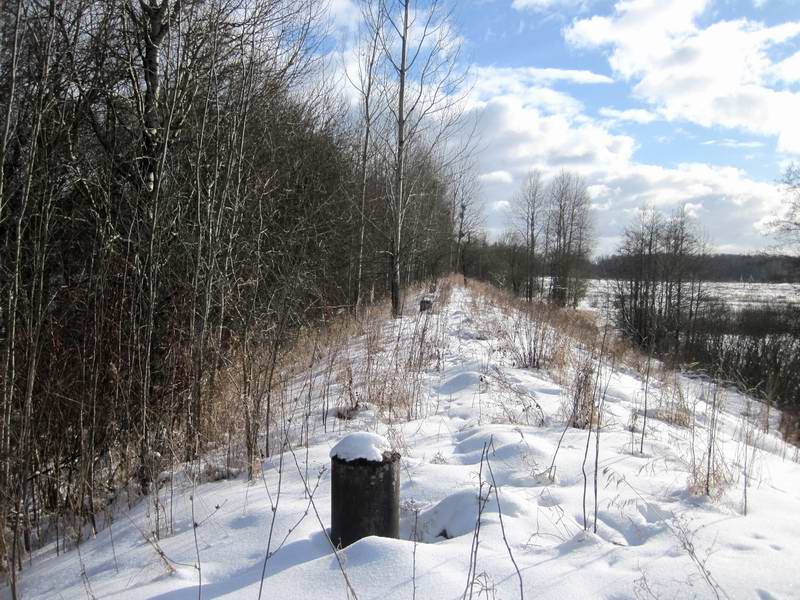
473	451
736	295
361	445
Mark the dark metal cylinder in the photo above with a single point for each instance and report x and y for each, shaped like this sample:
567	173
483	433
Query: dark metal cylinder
365	498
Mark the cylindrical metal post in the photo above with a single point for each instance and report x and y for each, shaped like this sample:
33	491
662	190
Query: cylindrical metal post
365	492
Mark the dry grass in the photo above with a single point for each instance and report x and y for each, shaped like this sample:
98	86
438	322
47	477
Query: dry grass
672	405
313	361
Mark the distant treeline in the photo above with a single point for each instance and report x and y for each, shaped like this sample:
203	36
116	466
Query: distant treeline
757	268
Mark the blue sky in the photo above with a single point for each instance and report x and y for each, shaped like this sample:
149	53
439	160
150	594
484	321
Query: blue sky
651	101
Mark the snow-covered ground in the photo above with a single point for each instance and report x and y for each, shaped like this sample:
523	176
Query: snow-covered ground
479	423
735	294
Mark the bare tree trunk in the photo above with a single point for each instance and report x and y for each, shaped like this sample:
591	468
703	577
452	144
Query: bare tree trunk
154	22
9	350
366	92
399	174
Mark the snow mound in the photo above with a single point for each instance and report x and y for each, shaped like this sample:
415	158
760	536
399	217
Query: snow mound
460	382
452	517
457	514
361	445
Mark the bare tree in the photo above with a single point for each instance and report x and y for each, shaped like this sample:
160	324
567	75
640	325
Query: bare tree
659	285
462	192
788	225
366	85
568	232
423	105
530	211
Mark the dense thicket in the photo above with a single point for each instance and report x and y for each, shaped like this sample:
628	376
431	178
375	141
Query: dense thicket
176	198
756	349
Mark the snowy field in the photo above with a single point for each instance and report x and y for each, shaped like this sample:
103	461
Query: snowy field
498	498
737	295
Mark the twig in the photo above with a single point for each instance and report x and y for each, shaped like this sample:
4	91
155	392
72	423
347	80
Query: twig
414	558
473	555
503	528
600	405
274	508
196	545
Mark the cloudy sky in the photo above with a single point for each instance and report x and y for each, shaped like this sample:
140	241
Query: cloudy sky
653	101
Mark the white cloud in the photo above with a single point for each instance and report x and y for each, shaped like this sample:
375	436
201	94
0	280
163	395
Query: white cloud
729	204
643	25
788	70
496	177
546	4
693	209
344	15
541	75
599	190
529	86
518	135
570	75
718	75
491	86
634	115
731	143
519	132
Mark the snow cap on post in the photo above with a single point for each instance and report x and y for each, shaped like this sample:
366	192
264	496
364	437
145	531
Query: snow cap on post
362	445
